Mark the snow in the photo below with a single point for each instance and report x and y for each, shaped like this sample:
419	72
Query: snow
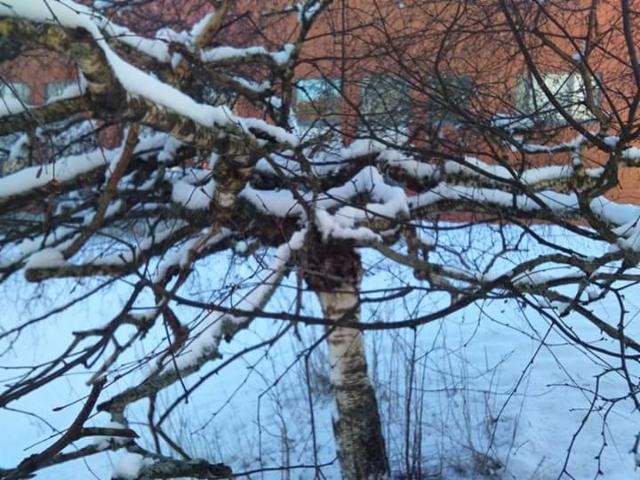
200	25
282	57
279	203
10	105
76	15
128	466
253	86
182	256
63	170
169	149
470	166
573	144
391	204
19	252
554	201
225	53
474	167
46	258
103	443
307	10
193	197
496	366
287	167
419	170
19	149
134	80
611	141
467	382
361	147
620	215
68	168
155	48
208	338
631	153
512	122
129	255
279	134
342	226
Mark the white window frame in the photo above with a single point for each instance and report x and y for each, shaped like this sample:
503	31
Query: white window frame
55	89
449	89
385	105
567	87
321	101
19	90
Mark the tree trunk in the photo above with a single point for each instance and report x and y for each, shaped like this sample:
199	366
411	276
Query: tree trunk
357	429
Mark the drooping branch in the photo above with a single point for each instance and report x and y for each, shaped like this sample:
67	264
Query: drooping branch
204	346
74	433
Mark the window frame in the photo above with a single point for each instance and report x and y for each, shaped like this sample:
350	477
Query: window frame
59	86
10	89
398	112
309	109
443	86
532	102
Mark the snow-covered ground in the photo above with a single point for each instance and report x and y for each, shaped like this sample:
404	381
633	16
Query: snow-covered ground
492	385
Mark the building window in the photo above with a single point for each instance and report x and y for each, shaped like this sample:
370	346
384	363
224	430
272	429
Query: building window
449	98
567	88
318	100
17	90
55	89
384	103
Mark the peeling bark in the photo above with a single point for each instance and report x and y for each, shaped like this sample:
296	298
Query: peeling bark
357	428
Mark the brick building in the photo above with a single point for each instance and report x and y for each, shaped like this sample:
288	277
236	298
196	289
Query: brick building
430	73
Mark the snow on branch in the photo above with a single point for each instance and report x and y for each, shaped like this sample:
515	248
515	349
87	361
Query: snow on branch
203	346
135	81
560	204
234	55
220	324
65	169
467	170
121	263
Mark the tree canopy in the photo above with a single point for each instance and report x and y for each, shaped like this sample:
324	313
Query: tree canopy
298	139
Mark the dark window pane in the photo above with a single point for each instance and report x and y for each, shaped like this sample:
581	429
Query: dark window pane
318	100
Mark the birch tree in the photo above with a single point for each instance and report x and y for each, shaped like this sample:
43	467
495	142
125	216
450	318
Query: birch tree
245	130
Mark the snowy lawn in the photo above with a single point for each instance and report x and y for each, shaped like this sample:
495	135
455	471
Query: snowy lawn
491	391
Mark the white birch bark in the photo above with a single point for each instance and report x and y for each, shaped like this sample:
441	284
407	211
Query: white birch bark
357	428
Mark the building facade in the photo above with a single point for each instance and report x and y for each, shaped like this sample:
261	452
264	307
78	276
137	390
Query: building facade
445	76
